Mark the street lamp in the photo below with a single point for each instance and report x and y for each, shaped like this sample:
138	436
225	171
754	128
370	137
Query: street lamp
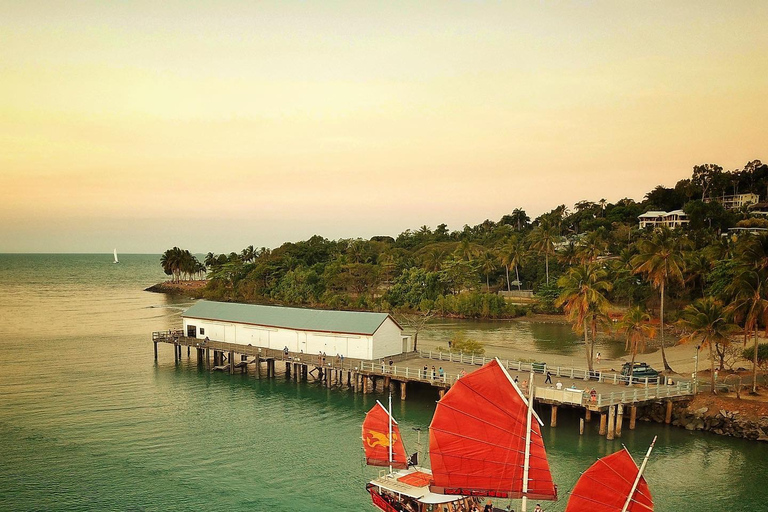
696	371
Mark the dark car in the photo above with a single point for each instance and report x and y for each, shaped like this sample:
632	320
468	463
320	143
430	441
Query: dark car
640	372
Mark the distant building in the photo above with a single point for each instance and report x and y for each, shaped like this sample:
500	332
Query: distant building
736	201
672	220
360	335
759	209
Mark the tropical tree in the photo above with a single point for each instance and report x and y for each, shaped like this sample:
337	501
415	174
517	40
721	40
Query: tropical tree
661	261
510	255
583	299
636	324
488	264
707	323
749	291
543	239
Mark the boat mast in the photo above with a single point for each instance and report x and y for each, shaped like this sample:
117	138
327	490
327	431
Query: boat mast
639	476
390	432
524	504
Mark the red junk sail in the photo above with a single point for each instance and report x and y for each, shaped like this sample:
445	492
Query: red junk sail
604	487
376	439
477	440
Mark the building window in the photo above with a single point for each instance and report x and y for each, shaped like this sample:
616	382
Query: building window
202	331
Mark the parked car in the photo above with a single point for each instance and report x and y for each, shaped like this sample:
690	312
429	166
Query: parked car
640	372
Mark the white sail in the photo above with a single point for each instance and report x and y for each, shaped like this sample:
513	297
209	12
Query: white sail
116	261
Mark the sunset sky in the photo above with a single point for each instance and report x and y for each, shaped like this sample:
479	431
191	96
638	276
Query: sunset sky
216	125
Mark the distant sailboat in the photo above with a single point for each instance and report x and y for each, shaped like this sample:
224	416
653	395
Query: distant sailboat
116	260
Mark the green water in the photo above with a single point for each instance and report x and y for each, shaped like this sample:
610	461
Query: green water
88	421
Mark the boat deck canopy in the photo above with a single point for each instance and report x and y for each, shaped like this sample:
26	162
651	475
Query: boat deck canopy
413	483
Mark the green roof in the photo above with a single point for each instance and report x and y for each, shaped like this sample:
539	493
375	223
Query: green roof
347	322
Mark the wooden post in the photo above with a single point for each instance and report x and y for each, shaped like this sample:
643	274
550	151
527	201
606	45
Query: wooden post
668	416
231	362
588	416
155	343
619	418
611	423
287	370
632	416
442	393
386	382
553	418
402	389
207	357
188	349
603	419
581	426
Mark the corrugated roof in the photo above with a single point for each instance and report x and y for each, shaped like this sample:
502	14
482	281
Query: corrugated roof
346	322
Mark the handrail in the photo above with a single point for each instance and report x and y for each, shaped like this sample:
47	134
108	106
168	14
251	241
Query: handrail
543	368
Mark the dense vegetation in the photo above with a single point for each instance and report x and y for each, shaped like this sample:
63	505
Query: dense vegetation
593	262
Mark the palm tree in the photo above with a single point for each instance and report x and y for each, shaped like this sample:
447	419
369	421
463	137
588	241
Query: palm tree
593	246
636	325
520	218
247	254
511	254
749	290
488	263
661	260
543	239
582	297
707	322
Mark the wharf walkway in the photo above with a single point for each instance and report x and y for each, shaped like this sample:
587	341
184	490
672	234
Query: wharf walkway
605	393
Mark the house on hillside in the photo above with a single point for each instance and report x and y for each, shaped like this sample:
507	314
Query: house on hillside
736	201
355	334
672	220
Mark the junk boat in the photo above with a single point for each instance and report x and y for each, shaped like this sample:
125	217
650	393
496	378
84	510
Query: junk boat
613	483
484	444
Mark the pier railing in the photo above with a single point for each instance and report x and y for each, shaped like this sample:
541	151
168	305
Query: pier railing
587	398
543	368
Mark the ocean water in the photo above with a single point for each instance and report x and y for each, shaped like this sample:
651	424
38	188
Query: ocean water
89	421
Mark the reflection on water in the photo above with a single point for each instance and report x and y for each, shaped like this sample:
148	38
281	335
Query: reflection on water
88	421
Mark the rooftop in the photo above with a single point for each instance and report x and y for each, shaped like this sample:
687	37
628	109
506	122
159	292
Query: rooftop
346	322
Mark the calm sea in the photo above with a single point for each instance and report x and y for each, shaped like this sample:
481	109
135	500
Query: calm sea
89	421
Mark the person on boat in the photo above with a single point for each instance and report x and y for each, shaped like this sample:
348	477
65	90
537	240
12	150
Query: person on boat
538	508
488	507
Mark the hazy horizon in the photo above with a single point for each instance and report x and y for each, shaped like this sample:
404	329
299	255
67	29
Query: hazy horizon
217	125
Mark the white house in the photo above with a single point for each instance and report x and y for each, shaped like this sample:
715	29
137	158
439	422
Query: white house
672	220
735	201
354	334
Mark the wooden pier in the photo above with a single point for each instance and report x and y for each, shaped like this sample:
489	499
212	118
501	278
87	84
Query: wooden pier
602	393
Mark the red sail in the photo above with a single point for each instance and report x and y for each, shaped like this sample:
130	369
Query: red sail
376	439
604	487
477	440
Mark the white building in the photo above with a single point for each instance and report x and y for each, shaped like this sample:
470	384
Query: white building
736	201
672	220
354	334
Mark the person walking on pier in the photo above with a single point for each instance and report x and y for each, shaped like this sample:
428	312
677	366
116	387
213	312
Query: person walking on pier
549	378
426	371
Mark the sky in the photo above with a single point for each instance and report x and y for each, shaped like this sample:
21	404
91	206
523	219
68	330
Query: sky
214	125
